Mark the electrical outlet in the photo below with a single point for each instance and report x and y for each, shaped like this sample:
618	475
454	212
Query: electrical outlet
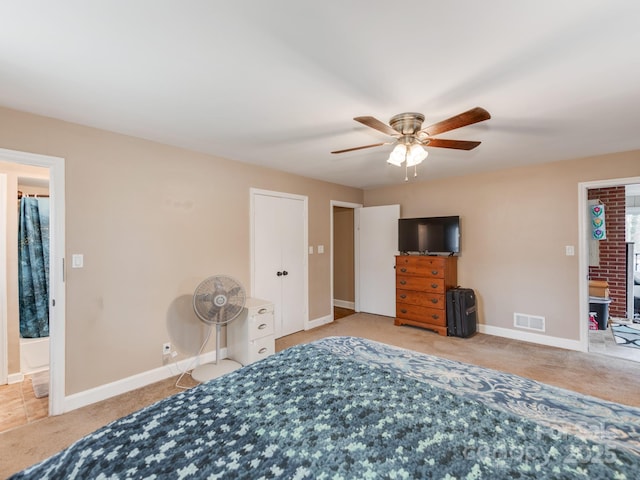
166	348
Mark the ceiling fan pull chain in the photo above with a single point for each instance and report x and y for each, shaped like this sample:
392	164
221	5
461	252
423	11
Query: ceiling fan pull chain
406	171
415	170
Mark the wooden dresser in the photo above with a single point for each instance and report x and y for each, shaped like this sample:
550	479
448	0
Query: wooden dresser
421	283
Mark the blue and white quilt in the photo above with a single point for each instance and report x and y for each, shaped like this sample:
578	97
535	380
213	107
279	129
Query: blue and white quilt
349	408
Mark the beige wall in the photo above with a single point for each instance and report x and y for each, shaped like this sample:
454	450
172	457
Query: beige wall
514	227
343	262
14	172
152	221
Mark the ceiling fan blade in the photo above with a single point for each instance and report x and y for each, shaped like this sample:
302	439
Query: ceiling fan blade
469	117
378	125
360	148
457	144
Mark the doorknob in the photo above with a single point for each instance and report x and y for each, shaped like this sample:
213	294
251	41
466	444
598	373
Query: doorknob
279	274
285	273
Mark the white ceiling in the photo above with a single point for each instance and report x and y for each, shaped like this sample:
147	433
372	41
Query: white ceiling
278	82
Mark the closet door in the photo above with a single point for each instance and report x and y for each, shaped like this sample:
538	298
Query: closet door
279	259
266	254
293	255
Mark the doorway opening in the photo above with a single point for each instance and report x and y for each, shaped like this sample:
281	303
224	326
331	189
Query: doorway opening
609	270
343	252
33	174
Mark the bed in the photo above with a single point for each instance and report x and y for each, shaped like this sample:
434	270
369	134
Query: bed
346	407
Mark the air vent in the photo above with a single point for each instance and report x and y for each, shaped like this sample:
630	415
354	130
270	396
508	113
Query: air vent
529	322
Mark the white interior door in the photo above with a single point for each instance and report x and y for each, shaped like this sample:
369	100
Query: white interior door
279	261
377	230
293	254
266	253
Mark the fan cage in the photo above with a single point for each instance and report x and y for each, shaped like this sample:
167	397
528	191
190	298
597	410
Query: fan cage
218	300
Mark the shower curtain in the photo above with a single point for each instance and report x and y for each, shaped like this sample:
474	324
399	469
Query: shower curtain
33	267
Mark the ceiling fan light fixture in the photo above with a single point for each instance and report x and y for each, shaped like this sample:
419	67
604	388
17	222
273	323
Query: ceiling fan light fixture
416	155
397	155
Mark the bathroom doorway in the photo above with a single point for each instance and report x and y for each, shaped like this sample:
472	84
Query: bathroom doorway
34	176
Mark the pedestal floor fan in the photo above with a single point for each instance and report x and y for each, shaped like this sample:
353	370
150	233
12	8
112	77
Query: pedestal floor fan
218	300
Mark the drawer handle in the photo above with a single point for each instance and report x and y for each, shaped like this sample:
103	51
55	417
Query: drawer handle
403	310
403	270
434	272
262	350
403	296
263	310
435	316
262	326
434	300
434	285
403	282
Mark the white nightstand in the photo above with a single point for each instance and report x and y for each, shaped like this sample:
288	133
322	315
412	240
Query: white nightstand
251	337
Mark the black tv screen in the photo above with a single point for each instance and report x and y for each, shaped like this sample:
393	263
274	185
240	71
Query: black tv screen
429	235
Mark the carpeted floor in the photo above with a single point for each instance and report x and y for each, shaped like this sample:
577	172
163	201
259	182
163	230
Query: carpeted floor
627	335
605	377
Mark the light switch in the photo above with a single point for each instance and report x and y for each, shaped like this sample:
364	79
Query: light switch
569	250
320	248
77	260
311	250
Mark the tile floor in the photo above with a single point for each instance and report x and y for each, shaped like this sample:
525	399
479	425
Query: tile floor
602	341
19	405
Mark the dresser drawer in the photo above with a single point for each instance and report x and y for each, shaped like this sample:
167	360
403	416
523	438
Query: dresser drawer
424	299
421	314
421	266
261	325
261	348
420	284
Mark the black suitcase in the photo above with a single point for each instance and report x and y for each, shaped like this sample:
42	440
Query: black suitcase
461	312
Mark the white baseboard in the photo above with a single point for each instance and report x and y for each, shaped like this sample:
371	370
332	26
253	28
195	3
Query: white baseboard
97	394
15	378
531	337
318	322
344	304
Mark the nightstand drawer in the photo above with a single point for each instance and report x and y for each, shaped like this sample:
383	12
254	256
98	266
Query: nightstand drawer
261	348
261	325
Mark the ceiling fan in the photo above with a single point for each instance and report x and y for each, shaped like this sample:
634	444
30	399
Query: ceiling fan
410	138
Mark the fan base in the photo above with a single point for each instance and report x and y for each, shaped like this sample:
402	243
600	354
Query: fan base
209	371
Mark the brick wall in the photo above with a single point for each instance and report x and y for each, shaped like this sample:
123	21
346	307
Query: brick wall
613	250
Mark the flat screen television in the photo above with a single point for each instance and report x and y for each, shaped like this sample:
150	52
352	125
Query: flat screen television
429	235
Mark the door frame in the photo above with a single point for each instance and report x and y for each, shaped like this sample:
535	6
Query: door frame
356	252
583	249
4	356
56	166
305	240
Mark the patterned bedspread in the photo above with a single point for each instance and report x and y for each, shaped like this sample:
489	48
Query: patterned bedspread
344	408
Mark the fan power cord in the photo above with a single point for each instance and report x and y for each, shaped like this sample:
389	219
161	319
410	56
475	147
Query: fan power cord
192	365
